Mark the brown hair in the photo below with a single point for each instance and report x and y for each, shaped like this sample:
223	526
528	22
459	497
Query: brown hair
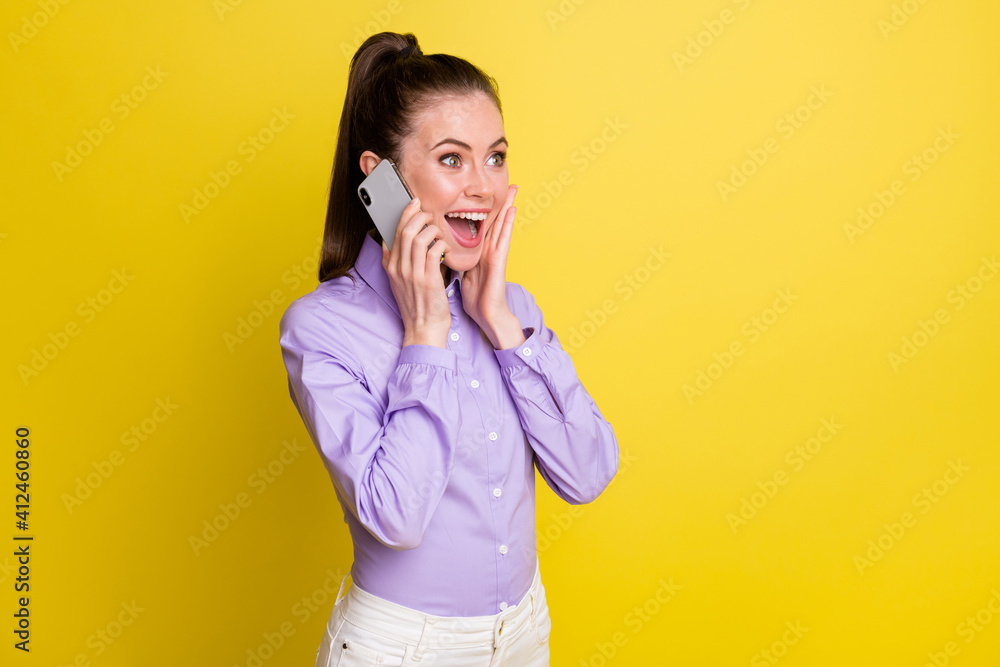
390	81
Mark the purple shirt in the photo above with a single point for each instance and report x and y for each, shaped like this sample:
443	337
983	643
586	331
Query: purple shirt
432	450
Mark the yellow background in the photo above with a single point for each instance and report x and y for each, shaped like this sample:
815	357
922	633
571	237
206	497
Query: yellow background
662	133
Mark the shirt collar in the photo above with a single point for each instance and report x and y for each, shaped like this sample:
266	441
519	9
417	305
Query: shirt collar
369	267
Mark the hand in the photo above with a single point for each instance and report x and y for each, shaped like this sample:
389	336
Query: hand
414	269
484	286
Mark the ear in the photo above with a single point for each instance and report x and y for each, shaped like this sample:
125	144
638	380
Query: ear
369	161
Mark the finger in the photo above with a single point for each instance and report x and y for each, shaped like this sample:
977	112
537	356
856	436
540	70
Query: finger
501	214
404	234
421	232
437	256
507	230
412	252
426	246
411	209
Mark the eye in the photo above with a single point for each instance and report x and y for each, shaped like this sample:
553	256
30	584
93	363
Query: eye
451	156
502	155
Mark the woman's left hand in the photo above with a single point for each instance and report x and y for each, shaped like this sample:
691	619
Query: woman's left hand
484	286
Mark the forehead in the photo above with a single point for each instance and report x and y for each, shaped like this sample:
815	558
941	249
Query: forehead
473	119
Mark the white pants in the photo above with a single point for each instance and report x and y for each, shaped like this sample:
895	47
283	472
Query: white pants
365	629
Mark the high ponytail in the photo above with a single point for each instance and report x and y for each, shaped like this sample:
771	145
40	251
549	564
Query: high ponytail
390	81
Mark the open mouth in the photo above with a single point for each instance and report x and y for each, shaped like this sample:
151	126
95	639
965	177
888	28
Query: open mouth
466	225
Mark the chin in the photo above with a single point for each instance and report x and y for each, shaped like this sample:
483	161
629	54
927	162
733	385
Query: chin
463	263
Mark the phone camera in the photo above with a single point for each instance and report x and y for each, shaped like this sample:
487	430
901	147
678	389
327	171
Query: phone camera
364	197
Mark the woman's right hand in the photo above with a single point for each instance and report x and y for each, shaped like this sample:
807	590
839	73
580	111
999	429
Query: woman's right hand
414	269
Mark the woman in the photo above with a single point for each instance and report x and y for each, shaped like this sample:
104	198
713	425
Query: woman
430	385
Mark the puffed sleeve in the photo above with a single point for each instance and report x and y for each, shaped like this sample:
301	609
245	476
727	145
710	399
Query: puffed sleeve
575	447
390	466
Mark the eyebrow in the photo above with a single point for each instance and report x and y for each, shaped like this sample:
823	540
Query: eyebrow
501	140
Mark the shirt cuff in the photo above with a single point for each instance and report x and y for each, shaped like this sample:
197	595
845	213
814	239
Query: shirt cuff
431	355
524	352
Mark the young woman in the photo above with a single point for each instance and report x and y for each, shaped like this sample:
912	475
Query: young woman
430	385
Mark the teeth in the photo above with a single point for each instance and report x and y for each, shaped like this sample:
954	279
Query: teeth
467	216
472	228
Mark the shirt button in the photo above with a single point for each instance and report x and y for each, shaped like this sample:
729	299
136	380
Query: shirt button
503	605
475	384
503	548
493	435
450	292
454	335
526	351
497	492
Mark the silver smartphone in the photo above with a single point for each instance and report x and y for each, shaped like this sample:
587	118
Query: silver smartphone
385	196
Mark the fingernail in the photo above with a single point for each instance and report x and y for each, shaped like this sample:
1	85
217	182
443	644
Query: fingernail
415	201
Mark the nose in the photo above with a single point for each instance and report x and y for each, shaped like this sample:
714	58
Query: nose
479	184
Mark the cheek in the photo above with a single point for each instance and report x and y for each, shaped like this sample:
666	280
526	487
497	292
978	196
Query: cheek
500	183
